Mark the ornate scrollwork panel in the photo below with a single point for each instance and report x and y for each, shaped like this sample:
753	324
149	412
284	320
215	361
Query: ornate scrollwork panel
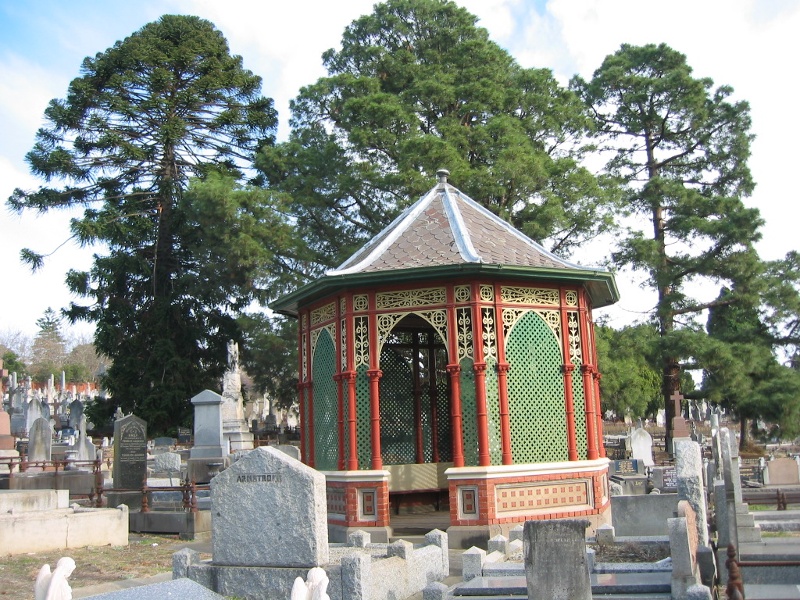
410	298
529	295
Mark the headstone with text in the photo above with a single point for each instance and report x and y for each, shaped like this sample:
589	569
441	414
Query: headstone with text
556	567
130	452
292	532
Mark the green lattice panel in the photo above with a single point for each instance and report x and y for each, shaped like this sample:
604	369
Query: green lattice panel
469	426
579	405
536	392
326	403
362	418
493	411
444	424
397	408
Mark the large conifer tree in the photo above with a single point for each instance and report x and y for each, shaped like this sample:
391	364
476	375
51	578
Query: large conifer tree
167	104
680	148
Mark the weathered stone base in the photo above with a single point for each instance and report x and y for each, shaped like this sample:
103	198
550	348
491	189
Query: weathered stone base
187	525
79	483
63	528
340	533
252	583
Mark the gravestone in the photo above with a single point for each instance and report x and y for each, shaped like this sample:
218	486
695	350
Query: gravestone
40	439
235	428
689	475
75	413
556	567
683	544
292	532
130	452
642	446
33	411
7	441
783	471
168	462
209	452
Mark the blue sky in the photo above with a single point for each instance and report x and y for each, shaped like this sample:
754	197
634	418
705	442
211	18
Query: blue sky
748	44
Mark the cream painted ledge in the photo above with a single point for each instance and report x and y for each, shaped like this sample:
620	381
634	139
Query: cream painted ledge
527	470
355	476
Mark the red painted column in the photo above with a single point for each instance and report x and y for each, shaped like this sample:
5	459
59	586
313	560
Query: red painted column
374	374
502	379
301	397
375	416
479	366
352	454
572	445
340	419
454	372
310	414
588	392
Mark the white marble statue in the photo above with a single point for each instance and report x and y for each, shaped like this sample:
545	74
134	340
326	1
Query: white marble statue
315	587
54	586
233	356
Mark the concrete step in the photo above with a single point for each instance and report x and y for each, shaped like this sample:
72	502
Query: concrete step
603	584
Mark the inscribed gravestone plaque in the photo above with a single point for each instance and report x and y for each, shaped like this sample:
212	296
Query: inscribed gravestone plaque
555	560
130	452
269	509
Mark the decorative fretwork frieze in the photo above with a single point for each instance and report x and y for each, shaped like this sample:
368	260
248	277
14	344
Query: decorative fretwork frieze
323	313
438	320
571	298
462	294
361	341
488	333
315	333
464	324
575	352
487	293
410	298
553	320
304	357
360	302
529	295
343	346
385	325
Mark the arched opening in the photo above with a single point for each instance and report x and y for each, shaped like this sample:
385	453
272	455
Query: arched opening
414	395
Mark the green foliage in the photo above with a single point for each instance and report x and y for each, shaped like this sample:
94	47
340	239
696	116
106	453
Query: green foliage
13	363
163	106
680	148
743	374
415	87
629	361
49	351
270	355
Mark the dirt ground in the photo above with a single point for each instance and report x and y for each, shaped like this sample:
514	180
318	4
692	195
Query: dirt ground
142	557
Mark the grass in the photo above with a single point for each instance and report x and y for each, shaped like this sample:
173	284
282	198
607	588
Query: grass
143	557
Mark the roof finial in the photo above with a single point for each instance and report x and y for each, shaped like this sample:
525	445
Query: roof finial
442	174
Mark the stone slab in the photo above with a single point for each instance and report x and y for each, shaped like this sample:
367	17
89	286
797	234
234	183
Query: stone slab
176	588
783	471
604	583
130	452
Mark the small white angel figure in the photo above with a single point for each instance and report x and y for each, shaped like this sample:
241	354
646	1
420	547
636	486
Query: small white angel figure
54	586
315	587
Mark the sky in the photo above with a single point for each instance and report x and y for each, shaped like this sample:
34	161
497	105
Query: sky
750	45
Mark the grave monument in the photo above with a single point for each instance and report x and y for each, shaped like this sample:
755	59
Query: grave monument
237	433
